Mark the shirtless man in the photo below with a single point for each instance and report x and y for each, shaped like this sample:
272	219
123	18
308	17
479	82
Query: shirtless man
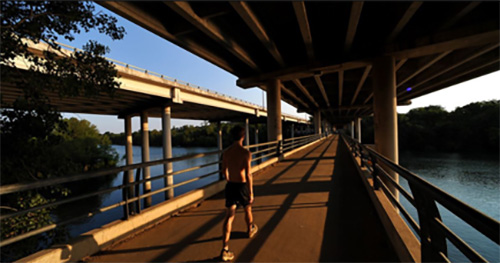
239	188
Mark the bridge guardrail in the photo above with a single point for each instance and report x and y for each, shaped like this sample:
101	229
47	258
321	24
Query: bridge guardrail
131	198
424	196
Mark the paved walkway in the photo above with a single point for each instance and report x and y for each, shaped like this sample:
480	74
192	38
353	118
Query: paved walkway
310	207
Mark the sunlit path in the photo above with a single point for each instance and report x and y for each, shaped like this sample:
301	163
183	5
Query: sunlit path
310	207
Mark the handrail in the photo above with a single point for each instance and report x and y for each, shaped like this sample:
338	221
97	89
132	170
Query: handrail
275	149
7	189
432	230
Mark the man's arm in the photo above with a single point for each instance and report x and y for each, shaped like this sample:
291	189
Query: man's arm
224	167
248	172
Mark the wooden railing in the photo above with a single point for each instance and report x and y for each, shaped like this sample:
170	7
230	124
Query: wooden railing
132	196
424	196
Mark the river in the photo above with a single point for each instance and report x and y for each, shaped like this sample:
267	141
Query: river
473	179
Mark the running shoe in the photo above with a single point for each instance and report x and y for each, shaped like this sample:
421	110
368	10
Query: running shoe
253	230
226	255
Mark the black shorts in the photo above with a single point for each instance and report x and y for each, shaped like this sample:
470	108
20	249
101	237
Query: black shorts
237	194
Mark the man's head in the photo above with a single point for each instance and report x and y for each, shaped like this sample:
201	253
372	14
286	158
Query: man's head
237	133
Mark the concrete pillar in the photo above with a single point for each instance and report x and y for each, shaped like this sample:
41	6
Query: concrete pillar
293	131
384	108
358	129
352	129
129	159
167	150
247	132
317	122
145	157
274	110
219	147
257	142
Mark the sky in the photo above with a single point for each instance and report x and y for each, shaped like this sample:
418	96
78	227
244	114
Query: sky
144	49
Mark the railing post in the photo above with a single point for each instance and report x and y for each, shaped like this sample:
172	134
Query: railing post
125	192
432	239
257	142
219	146
279	149
137	191
376	184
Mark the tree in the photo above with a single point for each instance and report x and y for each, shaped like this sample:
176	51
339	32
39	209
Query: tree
32	130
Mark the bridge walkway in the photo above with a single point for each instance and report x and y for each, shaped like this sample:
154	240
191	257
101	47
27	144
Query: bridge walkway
310	207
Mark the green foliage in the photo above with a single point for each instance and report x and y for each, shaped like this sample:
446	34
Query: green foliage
36	142
472	128
191	136
77	148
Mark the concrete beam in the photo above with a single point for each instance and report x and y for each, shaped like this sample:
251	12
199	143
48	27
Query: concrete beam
317	78
361	83
129	11
255	25
412	9
356	8
301	14
304	90
424	67
184	9
459	43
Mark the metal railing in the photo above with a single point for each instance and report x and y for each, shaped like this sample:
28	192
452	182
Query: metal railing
131	201
424	196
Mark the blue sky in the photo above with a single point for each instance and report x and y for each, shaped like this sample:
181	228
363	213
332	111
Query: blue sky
144	49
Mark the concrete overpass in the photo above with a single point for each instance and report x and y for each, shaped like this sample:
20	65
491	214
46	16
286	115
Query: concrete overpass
145	91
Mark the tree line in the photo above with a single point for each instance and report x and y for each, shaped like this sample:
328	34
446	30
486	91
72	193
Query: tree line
192	136
471	128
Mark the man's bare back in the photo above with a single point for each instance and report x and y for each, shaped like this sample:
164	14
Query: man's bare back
236	160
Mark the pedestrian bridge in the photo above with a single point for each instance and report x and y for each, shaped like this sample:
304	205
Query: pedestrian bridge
310	207
318	198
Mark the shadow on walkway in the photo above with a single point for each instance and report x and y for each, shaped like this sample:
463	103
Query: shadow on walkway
353	232
311	207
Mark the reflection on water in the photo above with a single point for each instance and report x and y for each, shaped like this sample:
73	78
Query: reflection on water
156	153
473	179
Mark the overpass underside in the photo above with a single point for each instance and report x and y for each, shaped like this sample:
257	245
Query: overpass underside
312	206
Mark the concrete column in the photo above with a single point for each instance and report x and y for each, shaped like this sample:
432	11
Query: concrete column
167	150
317	122
129	159
358	129
219	147
145	157
257	142
274	110
247	132
384	108
352	129
293	130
